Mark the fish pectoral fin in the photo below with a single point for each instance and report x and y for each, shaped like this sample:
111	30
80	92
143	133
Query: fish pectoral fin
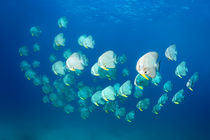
124	95
96	104
141	87
106	99
143	75
105	68
82	98
179	76
72	69
176	103
190	88
140	109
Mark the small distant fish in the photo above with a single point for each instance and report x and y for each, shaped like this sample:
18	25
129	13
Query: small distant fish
107	60
171	53
76	61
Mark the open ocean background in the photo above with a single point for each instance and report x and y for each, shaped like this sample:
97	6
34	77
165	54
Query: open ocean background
130	27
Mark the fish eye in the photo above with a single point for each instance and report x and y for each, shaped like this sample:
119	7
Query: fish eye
145	72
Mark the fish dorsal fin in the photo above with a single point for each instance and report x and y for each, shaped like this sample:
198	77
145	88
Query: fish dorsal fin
154	55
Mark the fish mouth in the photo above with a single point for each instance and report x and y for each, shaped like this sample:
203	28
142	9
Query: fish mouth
143	75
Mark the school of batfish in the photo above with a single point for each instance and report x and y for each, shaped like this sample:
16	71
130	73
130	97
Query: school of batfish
69	93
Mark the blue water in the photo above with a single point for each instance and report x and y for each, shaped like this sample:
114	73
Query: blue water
131	27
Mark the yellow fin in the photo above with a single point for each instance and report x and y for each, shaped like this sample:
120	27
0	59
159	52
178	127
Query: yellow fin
156	113
105	99
104	68
129	120
82	98
179	76
190	88
170	59
96	104
143	75
124	95
72	69
176	103
141	87
140	109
